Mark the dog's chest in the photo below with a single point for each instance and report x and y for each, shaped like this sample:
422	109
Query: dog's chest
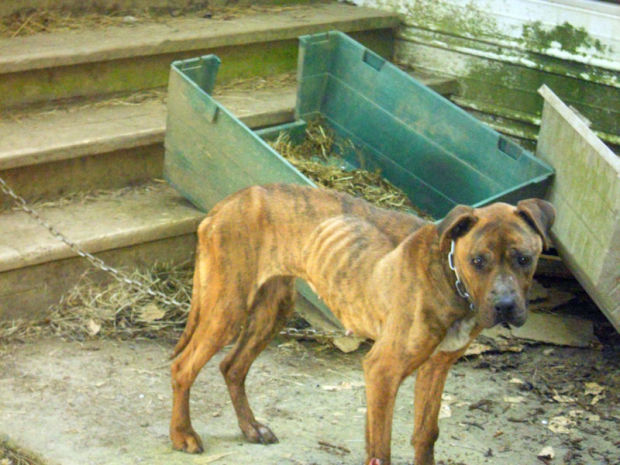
457	336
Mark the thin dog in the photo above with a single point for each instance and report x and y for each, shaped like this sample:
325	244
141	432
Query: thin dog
421	291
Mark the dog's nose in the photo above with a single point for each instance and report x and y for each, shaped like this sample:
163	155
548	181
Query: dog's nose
505	306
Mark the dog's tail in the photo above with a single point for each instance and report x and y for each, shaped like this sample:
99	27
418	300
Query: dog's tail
194	312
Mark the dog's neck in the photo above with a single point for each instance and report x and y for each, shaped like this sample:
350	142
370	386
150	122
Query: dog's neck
450	278
458	284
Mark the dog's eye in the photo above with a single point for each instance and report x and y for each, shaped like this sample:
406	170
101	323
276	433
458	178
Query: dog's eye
478	261
524	260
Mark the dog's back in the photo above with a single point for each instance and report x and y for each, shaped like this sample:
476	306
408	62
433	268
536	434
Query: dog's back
304	208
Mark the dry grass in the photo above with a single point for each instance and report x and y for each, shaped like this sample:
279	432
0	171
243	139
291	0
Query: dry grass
135	98
318	158
121	310
31	21
116	309
85	197
13	455
73	105
44	109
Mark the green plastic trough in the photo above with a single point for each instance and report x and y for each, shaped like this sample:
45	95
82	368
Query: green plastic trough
437	153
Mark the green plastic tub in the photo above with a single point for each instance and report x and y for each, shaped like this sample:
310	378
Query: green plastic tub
437	153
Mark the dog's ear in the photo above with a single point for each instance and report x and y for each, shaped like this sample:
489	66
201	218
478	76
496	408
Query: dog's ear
456	223
539	214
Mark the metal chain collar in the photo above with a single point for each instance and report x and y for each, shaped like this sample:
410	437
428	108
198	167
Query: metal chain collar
460	287
124	278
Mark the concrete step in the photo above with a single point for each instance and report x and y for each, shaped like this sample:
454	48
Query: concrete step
113	143
105	145
131	227
86	147
132	7
62	65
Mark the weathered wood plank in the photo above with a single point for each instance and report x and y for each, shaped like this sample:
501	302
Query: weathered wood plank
586	193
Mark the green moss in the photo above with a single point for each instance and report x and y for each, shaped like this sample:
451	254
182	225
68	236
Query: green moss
500	77
508	78
571	39
472	21
439	16
512	90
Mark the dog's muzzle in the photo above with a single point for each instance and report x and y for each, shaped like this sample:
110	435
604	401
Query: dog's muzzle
508	311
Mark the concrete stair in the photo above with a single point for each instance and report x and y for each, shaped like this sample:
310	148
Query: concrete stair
93	165
131	228
82	121
111	143
63	65
79	182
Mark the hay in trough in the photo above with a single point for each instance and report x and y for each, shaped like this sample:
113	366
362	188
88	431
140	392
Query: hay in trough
318	157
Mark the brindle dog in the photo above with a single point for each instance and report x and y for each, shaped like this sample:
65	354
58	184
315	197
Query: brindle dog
387	276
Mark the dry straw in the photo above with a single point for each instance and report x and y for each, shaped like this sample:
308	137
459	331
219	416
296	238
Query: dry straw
96	309
29	21
11	454
317	157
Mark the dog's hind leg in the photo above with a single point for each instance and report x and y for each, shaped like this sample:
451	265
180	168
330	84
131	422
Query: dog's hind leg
215	328
193	316
272	306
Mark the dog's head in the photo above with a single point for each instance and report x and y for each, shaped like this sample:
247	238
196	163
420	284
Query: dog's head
496	249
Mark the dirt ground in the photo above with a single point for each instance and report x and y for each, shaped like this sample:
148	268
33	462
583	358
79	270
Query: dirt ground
108	402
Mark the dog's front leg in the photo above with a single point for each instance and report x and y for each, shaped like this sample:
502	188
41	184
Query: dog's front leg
385	368
429	385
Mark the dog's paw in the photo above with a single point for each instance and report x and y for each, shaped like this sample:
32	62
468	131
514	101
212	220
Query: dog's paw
259	434
187	442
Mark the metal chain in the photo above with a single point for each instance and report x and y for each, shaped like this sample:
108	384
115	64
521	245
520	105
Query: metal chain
124	278
95	261
311	333
460	286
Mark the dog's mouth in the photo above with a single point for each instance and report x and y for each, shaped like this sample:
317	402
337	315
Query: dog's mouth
491	318
513	322
508	311
501	324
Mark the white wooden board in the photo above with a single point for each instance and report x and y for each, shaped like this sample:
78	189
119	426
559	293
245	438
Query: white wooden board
586	194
